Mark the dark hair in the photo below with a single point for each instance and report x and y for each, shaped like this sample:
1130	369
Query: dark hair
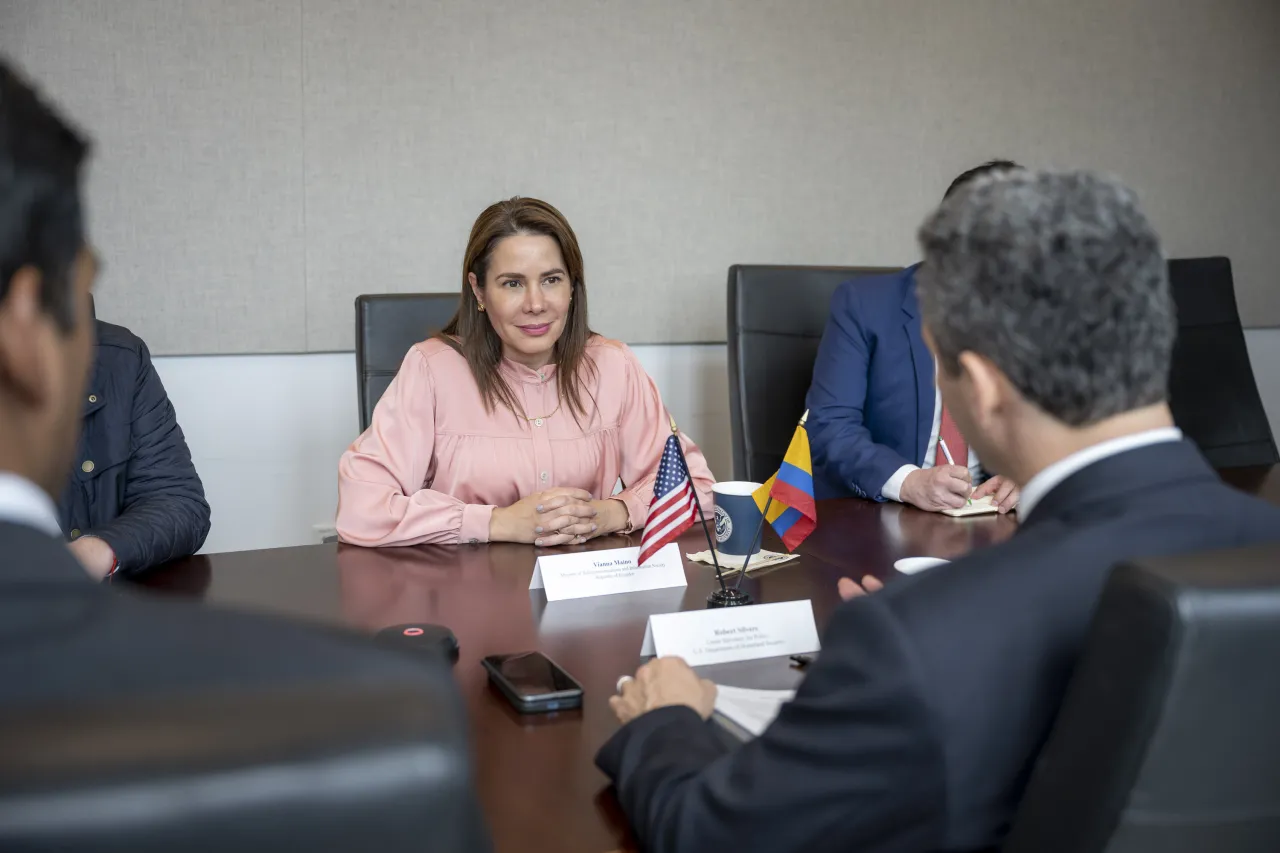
41	220
977	172
1058	279
470	332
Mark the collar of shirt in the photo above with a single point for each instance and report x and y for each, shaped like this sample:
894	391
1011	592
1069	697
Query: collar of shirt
1048	478
23	502
527	375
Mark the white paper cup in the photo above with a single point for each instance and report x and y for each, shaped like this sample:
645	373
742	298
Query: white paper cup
911	565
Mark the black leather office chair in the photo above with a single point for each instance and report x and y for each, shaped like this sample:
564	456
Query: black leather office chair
387	325
1168	740
1212	391
353	764
776	318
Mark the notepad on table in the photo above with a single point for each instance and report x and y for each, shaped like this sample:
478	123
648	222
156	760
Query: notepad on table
978	507
746	712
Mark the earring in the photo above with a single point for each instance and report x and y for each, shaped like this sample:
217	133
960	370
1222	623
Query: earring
480	306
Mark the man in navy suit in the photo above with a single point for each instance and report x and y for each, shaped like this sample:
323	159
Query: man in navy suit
1046	300
876	423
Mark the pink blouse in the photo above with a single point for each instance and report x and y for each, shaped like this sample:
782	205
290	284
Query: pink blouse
433	464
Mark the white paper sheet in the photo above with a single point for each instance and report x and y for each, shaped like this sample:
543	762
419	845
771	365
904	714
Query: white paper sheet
751	710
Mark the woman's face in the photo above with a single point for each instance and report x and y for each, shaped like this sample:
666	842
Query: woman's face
526	293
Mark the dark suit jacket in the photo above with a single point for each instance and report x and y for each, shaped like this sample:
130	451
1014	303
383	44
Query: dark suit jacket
918	725
65	637
871	403
141	493
68	643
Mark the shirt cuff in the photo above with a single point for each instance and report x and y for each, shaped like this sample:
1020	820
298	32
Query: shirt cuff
115	557
892	489
637	510
475	524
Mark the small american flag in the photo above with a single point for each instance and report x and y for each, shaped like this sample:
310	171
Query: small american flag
672	511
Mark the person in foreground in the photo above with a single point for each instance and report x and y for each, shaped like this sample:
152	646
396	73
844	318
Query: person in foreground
516	422
1044	297
134	500
876	422
71	646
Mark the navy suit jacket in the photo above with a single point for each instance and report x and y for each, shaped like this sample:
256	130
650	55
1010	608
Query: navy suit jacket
920	721
871	404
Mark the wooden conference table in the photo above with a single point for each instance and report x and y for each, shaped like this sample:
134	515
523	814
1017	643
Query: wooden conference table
537	781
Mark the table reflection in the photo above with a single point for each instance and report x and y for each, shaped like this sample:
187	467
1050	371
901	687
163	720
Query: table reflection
910	532
189	578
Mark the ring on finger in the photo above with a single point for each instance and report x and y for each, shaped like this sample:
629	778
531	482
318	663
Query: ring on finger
621	681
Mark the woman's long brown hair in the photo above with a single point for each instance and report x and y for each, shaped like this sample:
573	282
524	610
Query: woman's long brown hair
472	335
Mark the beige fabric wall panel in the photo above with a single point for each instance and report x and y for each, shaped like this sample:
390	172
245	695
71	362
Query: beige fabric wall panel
195	190
1180	98
677	137
262	163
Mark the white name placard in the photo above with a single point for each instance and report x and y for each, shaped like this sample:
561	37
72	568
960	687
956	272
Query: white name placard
728	634
590	573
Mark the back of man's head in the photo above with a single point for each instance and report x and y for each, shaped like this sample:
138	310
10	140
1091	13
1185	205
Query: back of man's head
45	272
991	167
1056	278
41	221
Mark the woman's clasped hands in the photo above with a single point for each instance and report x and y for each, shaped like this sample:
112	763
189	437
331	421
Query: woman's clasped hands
557	516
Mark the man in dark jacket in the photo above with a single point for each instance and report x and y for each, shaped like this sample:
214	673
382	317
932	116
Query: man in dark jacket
1045	300
135	499
86	667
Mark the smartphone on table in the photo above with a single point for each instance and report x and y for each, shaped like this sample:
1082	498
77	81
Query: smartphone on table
533	683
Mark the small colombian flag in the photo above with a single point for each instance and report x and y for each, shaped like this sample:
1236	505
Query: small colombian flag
792	511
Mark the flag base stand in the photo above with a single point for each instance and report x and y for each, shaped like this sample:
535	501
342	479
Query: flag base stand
728	597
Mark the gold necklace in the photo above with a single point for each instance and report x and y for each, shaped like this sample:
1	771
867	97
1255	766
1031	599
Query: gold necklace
538	421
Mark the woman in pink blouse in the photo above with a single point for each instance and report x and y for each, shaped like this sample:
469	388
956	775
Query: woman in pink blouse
515	423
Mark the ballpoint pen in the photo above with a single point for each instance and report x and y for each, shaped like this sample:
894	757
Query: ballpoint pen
942	442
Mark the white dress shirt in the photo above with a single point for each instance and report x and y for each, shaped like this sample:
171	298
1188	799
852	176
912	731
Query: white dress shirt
1045	481
23	502
892	488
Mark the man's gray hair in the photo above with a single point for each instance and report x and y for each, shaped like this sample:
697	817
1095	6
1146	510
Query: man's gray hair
1057	278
